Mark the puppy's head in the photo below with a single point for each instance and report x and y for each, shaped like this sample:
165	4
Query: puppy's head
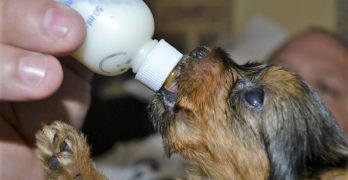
251	120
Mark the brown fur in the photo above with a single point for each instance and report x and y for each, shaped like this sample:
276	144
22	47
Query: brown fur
209	121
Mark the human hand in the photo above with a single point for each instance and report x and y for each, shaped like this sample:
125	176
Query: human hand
32	88
32	32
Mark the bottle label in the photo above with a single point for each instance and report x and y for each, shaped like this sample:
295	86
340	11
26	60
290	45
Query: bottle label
93	15
89	9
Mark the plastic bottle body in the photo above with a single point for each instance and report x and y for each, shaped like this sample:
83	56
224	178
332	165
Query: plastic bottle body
119	37
116	30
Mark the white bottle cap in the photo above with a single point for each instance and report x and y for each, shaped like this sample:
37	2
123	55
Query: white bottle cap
158	64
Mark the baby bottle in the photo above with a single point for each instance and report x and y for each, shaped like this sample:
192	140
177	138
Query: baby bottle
119	37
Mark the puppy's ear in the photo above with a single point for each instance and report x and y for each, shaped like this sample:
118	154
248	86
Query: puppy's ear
301	136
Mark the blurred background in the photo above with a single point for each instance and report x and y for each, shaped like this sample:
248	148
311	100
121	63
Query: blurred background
117	125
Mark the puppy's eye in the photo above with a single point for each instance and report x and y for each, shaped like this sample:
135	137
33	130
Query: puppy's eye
200	52
254	97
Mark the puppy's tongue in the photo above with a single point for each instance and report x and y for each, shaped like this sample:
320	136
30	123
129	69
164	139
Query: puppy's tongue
172	88
170	83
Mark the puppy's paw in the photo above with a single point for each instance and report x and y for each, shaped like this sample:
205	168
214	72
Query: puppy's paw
64	153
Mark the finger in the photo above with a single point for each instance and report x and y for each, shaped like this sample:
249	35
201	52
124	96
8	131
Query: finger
26	75
41	25
17	155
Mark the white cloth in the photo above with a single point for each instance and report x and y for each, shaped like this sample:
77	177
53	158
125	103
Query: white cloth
142	159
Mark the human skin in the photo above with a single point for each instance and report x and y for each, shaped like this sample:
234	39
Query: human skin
35	87
322	61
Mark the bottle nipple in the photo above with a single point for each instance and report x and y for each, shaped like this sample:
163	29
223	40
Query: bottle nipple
170	83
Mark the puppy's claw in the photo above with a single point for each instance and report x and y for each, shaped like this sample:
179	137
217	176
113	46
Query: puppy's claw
54	164
65	153
64	148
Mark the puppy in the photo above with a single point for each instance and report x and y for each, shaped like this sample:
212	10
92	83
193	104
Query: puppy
254	121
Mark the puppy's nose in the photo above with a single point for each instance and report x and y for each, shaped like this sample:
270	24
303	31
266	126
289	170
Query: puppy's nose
200	52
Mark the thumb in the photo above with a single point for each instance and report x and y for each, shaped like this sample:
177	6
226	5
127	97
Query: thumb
41	26
26	75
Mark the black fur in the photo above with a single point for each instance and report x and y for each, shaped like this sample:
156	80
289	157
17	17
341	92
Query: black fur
306	139
296	130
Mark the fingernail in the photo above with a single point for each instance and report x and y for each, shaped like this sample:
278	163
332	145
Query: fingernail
32	70
56	22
